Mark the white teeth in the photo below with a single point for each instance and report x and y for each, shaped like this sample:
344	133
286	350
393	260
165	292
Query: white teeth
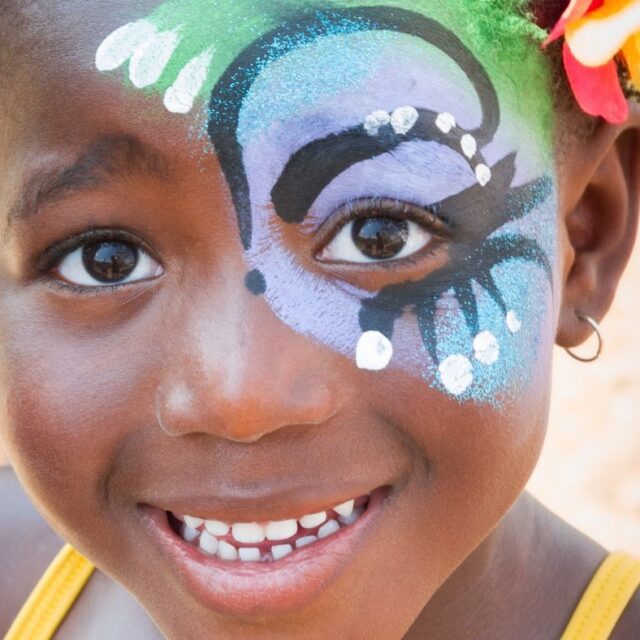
217	528
189	534
208	543
248	532
192	522
251	554
352	517
227	551
328	529
281	530
345	508
208	538
281	550
313	520
303	542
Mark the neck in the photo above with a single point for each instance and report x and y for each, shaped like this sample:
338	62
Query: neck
523	581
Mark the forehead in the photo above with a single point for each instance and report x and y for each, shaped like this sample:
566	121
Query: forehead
322	47
278	75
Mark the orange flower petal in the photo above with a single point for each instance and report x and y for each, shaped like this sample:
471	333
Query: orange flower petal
576	10
631	52
597	89
600	35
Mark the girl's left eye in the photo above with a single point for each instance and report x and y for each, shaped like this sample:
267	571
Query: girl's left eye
107	263
376	239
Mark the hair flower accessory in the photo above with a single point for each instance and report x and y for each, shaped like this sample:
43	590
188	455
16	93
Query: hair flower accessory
598	33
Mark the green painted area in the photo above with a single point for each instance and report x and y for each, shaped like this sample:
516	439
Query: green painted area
498	32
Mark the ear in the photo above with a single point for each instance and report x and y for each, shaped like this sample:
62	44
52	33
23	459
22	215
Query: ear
599	201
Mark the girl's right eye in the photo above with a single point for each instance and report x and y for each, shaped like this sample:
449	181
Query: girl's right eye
107	263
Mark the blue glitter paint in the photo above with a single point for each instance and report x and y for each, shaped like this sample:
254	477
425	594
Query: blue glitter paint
308	77
327	24
526	290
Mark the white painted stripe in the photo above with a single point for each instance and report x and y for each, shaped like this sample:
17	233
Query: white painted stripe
179	97
151	57
119	46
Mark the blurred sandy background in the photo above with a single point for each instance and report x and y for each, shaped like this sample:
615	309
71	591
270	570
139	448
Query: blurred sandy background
590	469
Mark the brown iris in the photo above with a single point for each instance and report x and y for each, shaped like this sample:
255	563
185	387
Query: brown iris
110	262
380	238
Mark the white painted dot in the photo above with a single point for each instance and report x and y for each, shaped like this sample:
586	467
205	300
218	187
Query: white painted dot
469	145
374	351
179	97
404	119
151	57
445	122
374	121
483	174
514	324
486	348
119	46
456	373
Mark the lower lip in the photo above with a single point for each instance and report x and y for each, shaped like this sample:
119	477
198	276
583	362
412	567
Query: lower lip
264	588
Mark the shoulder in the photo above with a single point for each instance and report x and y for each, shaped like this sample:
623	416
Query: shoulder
27	546
582	558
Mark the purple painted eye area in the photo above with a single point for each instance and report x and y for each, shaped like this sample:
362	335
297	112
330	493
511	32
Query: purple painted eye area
110	262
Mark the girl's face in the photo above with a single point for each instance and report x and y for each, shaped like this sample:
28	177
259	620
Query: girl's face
260	262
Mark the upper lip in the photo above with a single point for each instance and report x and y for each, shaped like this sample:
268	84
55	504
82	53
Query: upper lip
263	506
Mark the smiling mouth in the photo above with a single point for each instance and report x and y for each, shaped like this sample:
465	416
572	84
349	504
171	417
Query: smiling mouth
266	541
263	567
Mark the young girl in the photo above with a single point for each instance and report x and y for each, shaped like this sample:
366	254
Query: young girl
279	287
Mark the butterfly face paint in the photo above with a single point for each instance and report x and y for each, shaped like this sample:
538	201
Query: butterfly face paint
344	111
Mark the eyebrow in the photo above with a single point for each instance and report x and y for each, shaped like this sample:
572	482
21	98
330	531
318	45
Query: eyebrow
121	156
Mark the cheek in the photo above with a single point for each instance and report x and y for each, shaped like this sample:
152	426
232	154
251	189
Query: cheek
69	408
497	358
471	462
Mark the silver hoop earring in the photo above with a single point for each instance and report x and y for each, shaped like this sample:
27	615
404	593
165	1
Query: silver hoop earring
596	328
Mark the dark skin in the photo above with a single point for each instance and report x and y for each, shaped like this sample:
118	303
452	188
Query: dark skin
80	376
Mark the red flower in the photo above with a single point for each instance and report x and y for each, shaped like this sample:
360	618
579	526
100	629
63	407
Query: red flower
596	87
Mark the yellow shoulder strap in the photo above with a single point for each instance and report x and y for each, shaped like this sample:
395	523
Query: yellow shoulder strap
599	610
52	598
605	599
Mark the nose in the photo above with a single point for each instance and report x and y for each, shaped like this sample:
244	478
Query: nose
240	373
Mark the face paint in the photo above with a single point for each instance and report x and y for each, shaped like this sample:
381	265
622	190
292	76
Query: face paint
355	102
